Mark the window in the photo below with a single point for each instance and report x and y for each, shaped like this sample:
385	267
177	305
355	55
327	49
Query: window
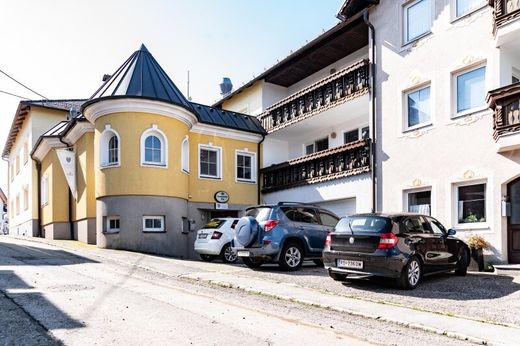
44	190
471	203
17	164
328	220
318	145
470	90
351	136
112	224
209	162
153	223
11	166
420	202
25	198
17	204
154	147
25	152
463	7
515	79
418	107
416	224
417	19
365	132
306	215
185	155
110	148
245	170
436	227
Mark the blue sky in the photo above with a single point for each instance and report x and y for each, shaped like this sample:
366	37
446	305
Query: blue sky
61	48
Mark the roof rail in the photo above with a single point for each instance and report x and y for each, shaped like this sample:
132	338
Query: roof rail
299	203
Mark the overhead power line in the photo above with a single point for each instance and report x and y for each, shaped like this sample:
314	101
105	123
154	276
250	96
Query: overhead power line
25	86
8	93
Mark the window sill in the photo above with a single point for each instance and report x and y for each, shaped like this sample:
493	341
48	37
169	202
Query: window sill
112	165
110	232
417	127
250	182
203	177
154	165
469	14
472	226
411	43
148	231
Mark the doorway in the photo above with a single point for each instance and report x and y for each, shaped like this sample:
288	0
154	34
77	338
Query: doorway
513	222
223	213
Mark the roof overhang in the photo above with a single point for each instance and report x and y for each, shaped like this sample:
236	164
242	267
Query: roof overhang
352	7
343	39
44	145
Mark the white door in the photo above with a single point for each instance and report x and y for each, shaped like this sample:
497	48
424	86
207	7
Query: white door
341	207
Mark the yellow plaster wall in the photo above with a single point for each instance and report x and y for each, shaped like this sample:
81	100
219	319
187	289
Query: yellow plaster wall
203	190
57	209
248	101
85	206
131	178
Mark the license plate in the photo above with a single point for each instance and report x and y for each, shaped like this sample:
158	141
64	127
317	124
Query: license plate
203	236
243	253
350	264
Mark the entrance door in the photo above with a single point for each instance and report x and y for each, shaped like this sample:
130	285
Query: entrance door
513	223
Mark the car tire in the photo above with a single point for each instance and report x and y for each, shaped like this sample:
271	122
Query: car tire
318	262
411	274
462	264
228	255
207	258
251	262
291	257
338	277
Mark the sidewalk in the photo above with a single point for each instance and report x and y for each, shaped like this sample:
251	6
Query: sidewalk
229	276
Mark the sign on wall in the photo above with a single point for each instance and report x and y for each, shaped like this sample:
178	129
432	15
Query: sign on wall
221	197
68	163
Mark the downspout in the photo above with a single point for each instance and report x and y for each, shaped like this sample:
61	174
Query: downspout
259	200
373	127
71	223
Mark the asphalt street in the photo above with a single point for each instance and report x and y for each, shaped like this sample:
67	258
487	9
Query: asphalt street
50	295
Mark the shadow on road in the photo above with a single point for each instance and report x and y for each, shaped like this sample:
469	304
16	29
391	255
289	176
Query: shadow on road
15	254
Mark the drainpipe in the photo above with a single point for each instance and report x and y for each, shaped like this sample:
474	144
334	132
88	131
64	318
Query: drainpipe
373	127
71	223
258	168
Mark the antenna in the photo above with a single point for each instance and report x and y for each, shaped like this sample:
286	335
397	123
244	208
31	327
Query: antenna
188	86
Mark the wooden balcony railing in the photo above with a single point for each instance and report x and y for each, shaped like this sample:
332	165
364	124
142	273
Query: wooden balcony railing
337	88
346	160
505	102
504	12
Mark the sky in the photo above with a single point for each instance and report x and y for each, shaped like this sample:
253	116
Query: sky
62	48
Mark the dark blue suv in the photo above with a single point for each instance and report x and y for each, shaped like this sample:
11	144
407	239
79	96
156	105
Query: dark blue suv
285	233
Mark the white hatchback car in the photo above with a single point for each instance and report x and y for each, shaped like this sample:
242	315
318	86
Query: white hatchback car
214	240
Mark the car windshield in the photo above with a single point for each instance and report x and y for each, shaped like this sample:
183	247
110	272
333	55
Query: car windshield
214	224
363	224
260	213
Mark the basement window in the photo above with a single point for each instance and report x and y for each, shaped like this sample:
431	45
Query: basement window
113	224
153	224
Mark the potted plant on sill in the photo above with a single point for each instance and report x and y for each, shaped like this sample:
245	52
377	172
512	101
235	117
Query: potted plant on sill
477	244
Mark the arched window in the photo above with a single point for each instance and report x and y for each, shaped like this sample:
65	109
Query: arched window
110	148
154	147
185	155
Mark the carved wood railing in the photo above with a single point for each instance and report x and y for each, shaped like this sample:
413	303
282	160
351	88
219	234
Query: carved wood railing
346	160
337	88
504	11
505	102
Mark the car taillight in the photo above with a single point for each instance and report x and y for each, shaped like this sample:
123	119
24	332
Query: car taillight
270	224
328	240
216	235
387	241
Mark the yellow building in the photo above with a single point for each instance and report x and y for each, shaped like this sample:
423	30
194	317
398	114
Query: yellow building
142	167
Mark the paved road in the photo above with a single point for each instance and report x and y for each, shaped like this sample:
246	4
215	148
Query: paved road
81	297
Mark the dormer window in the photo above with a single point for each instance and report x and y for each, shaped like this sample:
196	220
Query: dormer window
109	147
154	147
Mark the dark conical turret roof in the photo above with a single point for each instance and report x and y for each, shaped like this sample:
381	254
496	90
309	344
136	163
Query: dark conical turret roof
141	76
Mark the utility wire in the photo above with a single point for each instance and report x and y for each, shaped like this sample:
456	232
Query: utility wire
8	93
25	86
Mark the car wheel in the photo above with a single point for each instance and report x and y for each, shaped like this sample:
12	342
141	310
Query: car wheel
228	255
207	258
318	262
411	274
338	277
462	264
251	262
291	257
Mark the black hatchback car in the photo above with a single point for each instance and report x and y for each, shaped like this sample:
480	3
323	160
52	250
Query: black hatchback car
403	246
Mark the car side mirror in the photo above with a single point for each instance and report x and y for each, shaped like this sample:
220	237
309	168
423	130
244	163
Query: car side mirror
451	231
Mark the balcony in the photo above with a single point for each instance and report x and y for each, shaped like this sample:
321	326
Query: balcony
343	161
505	12
505	102
330	92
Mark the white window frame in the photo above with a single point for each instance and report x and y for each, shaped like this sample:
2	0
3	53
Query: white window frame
454	3
17	204
112	230
218	150
25	152
455	206
104	141
155	131
153	217
405	107
252	155
25	197
454	76
407	192
44	190
185	155
404	21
